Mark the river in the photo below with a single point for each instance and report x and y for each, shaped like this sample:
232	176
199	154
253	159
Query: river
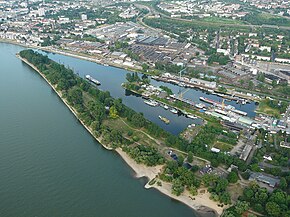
51	166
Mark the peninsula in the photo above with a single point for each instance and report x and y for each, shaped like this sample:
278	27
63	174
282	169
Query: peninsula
119	128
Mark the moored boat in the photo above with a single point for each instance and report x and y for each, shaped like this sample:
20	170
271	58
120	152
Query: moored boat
165	120
151	103
174	111
191	116
164	106
91	79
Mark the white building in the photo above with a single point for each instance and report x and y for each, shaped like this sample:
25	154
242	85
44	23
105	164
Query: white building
84	17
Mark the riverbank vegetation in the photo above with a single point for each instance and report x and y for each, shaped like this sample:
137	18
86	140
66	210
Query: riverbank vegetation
261	202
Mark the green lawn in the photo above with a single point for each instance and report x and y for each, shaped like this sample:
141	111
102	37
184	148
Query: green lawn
223	146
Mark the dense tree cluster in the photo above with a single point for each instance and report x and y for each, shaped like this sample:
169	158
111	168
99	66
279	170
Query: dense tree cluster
181	177
145	154
171	68
271	204
260	19
218	58
217	187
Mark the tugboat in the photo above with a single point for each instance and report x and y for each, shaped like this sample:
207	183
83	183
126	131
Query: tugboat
165	120
91	79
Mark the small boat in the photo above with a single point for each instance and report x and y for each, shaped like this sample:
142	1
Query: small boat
165	120
151	103
91	79
191	125
191	116
184	112
200	105
174	111
164	106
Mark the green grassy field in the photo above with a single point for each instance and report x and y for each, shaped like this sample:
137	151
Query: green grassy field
265	109
223	146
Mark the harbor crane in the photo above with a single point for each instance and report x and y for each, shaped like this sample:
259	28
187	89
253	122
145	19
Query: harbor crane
180	92
181	71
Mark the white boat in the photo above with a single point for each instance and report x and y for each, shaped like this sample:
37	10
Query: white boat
191	116
200	105
151	102
174	111
165	107
91	79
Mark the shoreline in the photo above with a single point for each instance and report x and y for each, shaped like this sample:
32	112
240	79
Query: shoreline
144	171
200	203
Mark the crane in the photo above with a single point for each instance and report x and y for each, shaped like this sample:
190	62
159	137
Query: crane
223	104
180	92
181	72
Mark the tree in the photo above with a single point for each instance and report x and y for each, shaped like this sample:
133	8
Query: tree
75	96
113	112
180	160
145	67
241	207
229	214
225	198
177	187
283	183
233	177
250	85
193	190
248	194
273	209
190	157
261	77
278	197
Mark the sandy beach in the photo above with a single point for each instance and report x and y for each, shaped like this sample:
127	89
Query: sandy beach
200	203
